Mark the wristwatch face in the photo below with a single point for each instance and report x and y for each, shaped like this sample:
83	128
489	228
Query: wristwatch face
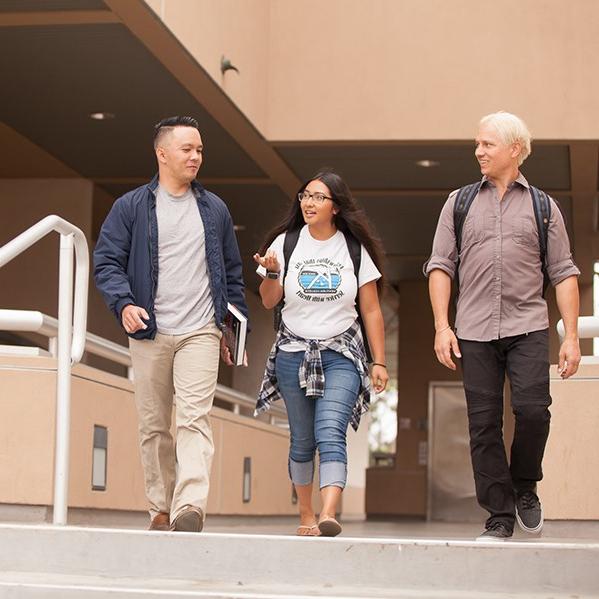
272	275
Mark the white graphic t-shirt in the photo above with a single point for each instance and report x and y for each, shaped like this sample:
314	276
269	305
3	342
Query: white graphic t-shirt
320	287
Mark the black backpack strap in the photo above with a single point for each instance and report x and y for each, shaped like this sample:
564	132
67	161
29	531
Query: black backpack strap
289	243
463	201
355	251
542	211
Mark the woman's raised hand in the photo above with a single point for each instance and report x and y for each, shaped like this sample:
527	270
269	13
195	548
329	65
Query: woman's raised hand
268	261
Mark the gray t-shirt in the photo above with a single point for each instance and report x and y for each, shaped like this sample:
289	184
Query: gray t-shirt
183	301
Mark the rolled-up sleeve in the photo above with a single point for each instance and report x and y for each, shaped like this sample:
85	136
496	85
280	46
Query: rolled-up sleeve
444	255
559	261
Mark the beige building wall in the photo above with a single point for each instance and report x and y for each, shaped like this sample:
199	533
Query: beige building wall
236	29
570	485
428	70
27	442
315	70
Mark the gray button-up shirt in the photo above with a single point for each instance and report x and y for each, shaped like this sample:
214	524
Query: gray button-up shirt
501	280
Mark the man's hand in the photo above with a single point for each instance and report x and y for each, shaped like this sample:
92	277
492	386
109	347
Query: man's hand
569	358
131	317
445	343
225	354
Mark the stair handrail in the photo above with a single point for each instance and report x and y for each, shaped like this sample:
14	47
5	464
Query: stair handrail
588	327
36	322
71	332
31	236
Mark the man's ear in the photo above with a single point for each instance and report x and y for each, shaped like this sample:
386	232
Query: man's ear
516	149
160	154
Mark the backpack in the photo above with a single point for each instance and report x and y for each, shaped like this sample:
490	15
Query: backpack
355	251
542	211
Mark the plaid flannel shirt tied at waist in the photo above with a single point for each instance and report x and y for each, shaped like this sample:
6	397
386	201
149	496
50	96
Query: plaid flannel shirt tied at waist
350	344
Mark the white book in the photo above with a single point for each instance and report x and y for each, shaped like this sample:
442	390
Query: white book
236	325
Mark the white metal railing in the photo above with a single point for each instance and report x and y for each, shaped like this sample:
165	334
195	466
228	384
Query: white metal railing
70	334
36	322
588	326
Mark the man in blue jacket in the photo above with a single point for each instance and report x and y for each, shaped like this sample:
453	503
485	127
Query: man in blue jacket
167	263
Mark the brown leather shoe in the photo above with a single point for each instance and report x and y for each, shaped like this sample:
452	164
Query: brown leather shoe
160	522
191	519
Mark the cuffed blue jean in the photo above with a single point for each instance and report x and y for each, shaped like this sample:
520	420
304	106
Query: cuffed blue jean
318	422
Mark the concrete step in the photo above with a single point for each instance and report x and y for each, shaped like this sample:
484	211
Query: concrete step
77	587
52	562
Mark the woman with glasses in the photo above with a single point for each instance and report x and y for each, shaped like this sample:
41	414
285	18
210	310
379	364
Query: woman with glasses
328	293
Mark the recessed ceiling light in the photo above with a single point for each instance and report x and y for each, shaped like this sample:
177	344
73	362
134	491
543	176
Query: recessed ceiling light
101	116
427	163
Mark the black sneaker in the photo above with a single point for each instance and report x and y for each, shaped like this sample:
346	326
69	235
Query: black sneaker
497	531
529	512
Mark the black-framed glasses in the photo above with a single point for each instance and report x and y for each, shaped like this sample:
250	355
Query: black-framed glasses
318	197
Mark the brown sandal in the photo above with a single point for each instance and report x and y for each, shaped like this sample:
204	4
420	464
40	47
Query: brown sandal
329	527
307	531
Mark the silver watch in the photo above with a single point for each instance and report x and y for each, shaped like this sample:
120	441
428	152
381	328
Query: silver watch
272	275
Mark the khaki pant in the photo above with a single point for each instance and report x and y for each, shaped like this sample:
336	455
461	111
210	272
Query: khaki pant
185	366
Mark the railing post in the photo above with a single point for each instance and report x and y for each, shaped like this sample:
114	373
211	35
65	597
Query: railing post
63	380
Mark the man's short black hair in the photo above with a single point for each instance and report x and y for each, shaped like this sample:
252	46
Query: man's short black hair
168	124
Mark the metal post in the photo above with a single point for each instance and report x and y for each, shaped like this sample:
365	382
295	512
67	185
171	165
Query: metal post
63	380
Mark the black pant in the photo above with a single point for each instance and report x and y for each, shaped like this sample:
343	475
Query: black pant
484	364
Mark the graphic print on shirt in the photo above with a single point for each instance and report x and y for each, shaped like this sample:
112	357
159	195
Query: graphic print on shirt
319	280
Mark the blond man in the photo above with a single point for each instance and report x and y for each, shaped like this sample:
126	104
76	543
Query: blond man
498	243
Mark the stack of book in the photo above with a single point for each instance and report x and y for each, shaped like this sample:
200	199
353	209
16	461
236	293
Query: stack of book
235	332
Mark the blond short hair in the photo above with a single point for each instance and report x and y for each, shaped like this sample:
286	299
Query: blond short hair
511	129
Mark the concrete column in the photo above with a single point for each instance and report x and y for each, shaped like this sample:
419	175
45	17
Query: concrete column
584	161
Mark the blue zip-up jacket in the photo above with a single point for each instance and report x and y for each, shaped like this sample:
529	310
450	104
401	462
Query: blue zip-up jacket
126	254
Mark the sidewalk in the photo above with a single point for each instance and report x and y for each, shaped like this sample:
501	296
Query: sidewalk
554	531
558	531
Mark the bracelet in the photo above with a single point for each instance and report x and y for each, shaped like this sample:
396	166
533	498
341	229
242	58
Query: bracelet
379	364
443	329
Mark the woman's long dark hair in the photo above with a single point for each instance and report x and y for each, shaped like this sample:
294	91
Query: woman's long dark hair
349	218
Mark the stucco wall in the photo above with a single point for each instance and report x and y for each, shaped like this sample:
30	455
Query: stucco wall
389	70
27	429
